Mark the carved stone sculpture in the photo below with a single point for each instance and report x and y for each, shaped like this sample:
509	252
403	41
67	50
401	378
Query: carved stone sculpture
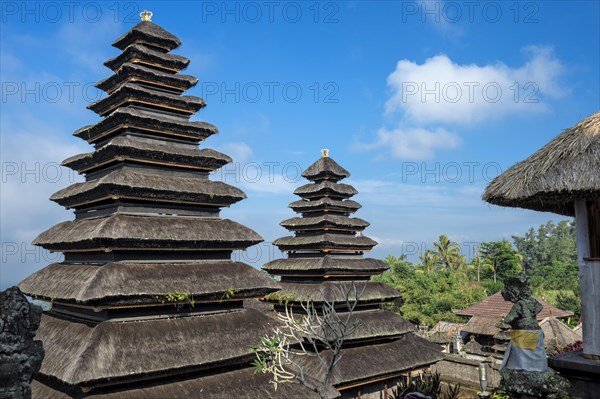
524	371
20	355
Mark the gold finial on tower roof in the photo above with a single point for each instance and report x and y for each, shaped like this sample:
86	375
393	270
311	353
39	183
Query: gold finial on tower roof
324	152
146	15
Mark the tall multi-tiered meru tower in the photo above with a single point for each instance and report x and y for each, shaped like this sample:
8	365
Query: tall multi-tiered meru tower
325	264
148	303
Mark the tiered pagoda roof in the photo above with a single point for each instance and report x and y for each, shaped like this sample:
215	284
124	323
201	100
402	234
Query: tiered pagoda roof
148	302
324	264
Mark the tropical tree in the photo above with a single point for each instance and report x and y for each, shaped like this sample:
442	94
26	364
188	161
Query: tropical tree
429	297
429	261
448	253
501	259
477	264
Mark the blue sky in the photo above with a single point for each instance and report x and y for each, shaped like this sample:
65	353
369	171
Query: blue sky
423	102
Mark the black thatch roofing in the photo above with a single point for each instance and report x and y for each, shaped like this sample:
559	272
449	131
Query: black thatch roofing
325	168
146	150
145	122
138	54
239	384
325	189
136	73
149	33
325	204
327	265
366	360
333	291
364	363
485	325
120	283
554	177
80	354
378	324
112	326
147	232
134	94
326	242
135	183
325	222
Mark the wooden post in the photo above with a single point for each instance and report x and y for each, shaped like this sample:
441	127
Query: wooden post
589	278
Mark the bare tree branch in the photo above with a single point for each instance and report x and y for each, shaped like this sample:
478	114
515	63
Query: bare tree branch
304	336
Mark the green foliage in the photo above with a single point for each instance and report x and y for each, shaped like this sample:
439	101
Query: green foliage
429	297
429	385
268	348
491	286
550	259
230	293
551	243
443	281
178	299
281	297
500	394
500	260
448	254
563	299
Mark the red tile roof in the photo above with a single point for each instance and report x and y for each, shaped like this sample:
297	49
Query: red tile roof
495	305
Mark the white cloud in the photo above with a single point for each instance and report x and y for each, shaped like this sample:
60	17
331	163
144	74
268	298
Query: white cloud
239	151
414	143
387	193
442	91
426	99
270	183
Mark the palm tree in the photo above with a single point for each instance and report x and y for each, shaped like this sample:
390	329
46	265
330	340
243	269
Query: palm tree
477	264
429	261
448	253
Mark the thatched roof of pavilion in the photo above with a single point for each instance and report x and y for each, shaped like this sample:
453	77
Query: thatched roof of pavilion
333	291
148	33
327	264
557	333
361	364
139	54
88	355
136	183
121	231
239	384
564	170
325	204
139	283
325	168
149	151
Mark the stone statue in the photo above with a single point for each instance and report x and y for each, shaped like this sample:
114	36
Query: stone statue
524	370
20	355
473	346
526	348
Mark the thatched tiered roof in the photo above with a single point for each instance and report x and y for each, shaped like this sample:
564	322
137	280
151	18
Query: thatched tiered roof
148	302
550	180
325	264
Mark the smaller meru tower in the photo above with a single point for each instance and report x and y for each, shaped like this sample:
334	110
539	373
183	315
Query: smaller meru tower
148	303
325	262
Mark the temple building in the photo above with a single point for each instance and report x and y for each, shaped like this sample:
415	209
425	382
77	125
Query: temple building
325	263
148	302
